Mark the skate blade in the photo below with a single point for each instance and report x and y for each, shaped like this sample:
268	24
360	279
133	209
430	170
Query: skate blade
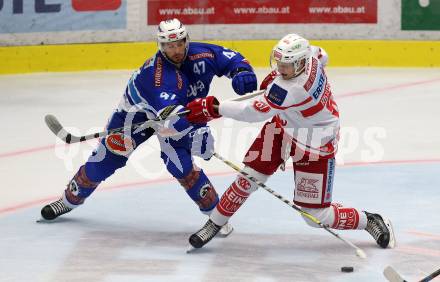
392	242
190	249
225	231
42	220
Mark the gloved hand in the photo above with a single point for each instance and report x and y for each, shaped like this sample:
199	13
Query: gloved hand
244	82
268	79
202	110
202	142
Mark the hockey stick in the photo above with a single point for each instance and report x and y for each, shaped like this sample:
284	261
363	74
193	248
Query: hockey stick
359	252
393	276
56	127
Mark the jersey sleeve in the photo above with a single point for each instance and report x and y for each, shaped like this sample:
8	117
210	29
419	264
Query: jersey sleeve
252	110
321	54
229	62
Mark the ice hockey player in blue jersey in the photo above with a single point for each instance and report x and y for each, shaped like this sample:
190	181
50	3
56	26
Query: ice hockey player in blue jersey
178	73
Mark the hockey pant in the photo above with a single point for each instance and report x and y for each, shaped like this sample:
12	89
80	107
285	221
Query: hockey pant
113	152
313	182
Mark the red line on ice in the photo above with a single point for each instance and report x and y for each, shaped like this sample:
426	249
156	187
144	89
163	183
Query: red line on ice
384	89
352	94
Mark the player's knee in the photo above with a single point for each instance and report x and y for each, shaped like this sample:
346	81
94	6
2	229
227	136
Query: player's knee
79	188
200	190
103	163
120	144
324	215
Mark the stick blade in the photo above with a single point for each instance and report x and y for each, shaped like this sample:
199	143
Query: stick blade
57	129
53	124
392	275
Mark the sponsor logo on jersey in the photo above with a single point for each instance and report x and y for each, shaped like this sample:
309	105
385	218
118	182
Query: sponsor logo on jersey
319	89
119	144
73	187
149	62
330	176
208	197
261	106
312	76
158	72
179	80
204	190
277	95
308	187
201	56
244	183
231	200
347	218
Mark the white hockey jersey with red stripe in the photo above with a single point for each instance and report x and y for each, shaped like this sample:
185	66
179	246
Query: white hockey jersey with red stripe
303	106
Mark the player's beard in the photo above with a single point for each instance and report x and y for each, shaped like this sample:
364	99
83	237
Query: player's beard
178	58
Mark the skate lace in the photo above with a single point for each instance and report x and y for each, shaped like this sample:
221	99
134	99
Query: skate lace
374	229
59	207
208	231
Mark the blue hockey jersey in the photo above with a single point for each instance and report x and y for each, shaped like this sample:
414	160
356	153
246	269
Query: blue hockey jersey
206	60
154	86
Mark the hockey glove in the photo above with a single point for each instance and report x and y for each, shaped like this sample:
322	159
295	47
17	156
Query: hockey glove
202	110
244	82
268	80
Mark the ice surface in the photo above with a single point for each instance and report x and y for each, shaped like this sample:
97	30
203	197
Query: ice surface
136	227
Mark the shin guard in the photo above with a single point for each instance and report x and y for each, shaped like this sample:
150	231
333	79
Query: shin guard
78	189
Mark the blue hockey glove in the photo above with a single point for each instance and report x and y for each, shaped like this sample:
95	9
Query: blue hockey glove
244	82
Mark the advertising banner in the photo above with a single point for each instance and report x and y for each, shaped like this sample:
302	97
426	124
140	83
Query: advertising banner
263	11
420	15
24	16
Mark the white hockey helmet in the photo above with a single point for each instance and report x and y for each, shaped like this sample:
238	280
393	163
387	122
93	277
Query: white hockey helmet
293	49
169	31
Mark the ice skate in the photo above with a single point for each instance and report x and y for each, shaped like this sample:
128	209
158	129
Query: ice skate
204	235
381	230
54	210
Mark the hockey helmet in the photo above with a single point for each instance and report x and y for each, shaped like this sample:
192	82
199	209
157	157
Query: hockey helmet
169	31
293	49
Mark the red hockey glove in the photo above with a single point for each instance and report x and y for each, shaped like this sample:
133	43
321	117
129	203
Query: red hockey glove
268	79
202	110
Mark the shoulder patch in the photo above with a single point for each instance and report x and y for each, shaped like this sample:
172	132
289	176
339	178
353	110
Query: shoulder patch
277	95
261	106
201	56
179	80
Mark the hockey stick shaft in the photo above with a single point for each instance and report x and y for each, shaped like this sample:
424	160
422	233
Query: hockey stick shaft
56	127
393	276
431	276
359	252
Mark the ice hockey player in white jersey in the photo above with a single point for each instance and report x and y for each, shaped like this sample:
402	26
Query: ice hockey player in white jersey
305	126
